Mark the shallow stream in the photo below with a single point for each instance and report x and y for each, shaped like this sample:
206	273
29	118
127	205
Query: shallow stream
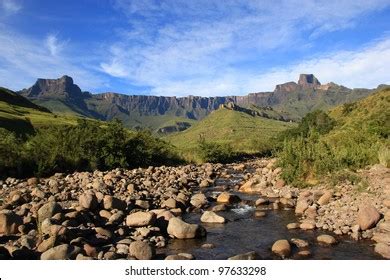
244	232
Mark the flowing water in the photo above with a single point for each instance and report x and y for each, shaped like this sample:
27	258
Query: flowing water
244	232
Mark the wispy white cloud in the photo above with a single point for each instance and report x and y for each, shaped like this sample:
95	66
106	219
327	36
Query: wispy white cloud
10	6
203	47
23	60
366	67
54	45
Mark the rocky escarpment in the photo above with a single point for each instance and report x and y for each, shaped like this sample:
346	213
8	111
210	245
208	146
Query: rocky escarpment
54	88
139	110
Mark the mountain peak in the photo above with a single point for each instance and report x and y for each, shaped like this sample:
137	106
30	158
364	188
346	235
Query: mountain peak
63	87
308	81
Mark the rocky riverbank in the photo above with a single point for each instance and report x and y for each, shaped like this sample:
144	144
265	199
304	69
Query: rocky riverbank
344	209
133	214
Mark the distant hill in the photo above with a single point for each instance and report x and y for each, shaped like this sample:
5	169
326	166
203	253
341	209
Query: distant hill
15	99
21	116
161	113
244	131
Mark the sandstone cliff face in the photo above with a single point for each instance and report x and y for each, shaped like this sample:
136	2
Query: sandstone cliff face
54	88
306	95
308	81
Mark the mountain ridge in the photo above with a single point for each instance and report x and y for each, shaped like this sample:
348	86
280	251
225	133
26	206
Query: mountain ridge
292	100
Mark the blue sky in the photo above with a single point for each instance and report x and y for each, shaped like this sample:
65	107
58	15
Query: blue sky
199	47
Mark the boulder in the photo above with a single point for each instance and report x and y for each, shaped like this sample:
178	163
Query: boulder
383	249
325	198
111	202
387	215
140	219
32	181
180	256
182	230
386	203
326	239
384	226
169	203
88	201
9	222
281	248
280	183
61	252
301	206
247	187
307	225
142	250
198	200
261	201
228	198
204	184
300	243
48	210
381	237
246	256
292	225
211	217
368	217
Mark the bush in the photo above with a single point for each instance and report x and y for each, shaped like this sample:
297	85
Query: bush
304	157
262	147
215	152
384	156
143	150
324	151
10	153
84	147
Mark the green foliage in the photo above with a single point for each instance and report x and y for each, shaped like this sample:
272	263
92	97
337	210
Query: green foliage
10	152
85	146
215	152
348	107
320	146
143	149
384	156
302	157
317	121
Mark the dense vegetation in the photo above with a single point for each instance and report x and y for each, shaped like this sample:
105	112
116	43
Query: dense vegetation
215	152
349	137
85	146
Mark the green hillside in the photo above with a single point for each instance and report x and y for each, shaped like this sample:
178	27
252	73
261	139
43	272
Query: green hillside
350	136
244	132
21	116
298	103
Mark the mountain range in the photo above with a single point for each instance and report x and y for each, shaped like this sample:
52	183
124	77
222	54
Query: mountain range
289	101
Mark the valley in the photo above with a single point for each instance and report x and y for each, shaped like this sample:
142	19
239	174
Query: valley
112	176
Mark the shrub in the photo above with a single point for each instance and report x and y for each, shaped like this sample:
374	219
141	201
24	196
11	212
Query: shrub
86	146
384	156
142	149
304	157
215	152
10	153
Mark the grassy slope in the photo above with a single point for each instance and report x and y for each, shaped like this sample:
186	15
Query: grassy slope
22	116
366	113
57	106
298	104
239	129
